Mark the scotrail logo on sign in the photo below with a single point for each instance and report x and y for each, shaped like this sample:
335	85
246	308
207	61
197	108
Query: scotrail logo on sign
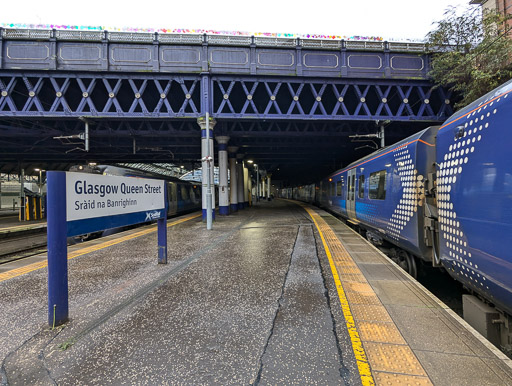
90	196
150	216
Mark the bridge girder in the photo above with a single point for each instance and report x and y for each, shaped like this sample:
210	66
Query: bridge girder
157	96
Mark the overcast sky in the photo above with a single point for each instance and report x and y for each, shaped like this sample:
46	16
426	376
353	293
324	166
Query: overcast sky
390	19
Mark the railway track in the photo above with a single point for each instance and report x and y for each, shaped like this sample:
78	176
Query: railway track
19	242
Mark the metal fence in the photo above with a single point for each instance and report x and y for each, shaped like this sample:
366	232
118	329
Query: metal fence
197	39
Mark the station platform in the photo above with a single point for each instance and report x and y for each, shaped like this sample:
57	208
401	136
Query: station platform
278	293
9	222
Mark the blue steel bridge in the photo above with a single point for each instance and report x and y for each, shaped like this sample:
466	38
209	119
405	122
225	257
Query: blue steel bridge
289	104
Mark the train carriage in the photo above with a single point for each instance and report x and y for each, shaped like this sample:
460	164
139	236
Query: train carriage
386	193
474	186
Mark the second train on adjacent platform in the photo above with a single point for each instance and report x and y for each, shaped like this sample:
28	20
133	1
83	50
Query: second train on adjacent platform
442	196
182	196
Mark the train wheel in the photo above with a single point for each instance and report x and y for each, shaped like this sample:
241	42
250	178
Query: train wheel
407	263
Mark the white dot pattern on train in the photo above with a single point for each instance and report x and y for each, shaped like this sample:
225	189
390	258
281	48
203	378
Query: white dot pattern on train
413	192
450	169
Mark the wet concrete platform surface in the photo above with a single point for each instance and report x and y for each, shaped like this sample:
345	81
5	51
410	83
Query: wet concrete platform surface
244	303
272	295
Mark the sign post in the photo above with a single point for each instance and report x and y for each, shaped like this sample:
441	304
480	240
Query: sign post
80	203
162	234
57	249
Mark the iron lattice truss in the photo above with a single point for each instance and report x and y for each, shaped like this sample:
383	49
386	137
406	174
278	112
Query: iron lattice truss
173	96
98	95
329	99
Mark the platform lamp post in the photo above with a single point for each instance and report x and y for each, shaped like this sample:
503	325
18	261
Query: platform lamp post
40	180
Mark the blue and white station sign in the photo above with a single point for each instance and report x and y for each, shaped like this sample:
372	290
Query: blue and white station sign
81	203
95	202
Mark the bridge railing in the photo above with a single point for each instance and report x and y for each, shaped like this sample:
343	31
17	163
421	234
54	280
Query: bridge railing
197	39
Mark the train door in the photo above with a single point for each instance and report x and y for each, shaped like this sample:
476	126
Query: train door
172	198
351	197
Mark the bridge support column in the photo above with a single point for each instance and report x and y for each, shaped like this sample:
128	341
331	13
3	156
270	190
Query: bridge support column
240	180
249	189
263	191
207	150
233	183
268	186
246	186
22	215
223	175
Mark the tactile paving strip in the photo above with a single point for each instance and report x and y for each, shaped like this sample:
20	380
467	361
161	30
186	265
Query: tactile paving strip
388	358
371	313
393	358
399	379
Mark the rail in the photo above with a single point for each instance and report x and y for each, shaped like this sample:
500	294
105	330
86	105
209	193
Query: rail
198	39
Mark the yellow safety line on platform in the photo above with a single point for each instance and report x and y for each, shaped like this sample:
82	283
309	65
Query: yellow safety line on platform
25	226
361	358
42	264
381	353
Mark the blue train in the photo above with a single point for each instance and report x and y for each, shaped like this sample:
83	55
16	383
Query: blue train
442	196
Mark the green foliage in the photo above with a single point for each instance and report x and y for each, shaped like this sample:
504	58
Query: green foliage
471	54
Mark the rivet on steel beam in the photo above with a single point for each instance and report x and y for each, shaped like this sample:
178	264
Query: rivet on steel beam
162	96
363	99
188	96
295	98
137	95
4	93
406	100
318	98
384	100
273	98
111	95
31	94
58	94
426	101
85	94
226	96
340	99
249	97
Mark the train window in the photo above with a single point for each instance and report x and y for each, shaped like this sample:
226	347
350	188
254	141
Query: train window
338	188
361	186
377	185
351	187
184	192
332	188
193	195
171	192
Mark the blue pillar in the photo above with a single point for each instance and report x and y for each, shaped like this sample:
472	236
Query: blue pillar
268	186
246	186
223	175
233	182
58	308
240	180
